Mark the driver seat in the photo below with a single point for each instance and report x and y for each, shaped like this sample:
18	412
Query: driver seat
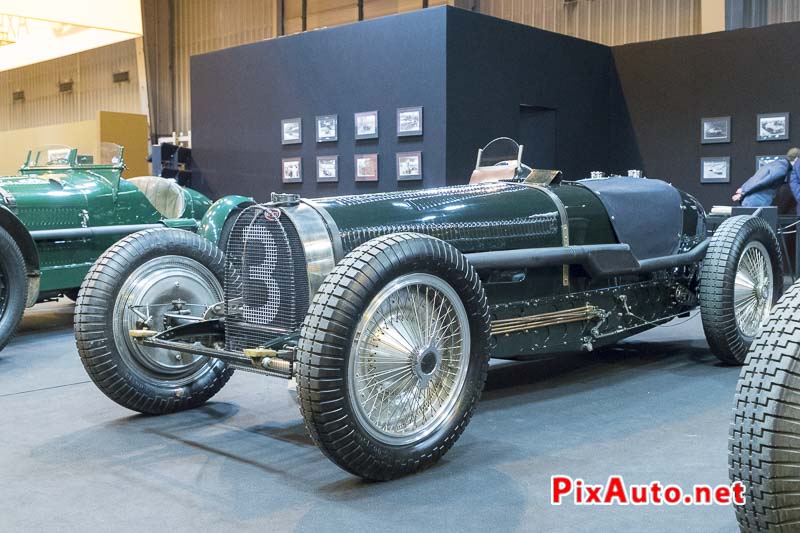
165	194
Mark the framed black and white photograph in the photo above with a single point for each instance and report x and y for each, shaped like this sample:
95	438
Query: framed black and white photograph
327	128
715	170
291	131
409	121
715	130
773	127
292	170
366	167
366	125
762	160
327	168
409	166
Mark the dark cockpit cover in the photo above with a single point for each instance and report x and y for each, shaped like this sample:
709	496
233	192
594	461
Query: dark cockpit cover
645	213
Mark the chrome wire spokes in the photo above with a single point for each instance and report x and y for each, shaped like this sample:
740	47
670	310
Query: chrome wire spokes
753	288
409	358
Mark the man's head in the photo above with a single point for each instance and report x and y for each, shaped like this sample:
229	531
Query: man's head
793	154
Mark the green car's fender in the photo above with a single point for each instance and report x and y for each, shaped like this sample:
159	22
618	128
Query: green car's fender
14	226
197	204
218	213
188	224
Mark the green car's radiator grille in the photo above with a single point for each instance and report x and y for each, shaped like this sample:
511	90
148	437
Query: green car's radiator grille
266	286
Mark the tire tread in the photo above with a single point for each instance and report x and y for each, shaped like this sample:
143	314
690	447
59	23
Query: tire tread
717	277
764	438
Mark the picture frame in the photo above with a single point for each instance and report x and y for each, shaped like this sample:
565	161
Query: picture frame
366	166
409	121
715	130
327	168
409	166
292	131
366	125
292	170
715	170
772	127
327	128
762	160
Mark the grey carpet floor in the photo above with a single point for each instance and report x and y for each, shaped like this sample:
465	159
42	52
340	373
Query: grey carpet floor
656	407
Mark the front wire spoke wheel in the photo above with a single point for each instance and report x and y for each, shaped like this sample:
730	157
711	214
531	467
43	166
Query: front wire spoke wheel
409	363
393	355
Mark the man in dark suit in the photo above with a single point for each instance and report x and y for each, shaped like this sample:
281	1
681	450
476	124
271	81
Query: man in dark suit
761	188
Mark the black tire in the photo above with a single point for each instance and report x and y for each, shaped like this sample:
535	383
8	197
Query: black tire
717	278
13	287
324	353
113	365
764	443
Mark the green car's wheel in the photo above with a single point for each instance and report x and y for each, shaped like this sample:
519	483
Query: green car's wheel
148	280
393	355
740	280
764	439
13	287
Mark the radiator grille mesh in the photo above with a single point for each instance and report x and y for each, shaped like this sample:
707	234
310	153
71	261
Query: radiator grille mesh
266	287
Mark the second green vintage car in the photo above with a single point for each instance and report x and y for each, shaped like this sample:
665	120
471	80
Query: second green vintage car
64	209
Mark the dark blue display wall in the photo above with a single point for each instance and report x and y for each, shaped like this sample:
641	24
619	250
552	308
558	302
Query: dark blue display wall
476	77
670	85
557	95
240	95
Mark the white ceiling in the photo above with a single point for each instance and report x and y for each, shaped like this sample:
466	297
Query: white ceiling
38	30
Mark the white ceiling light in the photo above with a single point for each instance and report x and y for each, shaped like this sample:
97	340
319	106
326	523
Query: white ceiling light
37	30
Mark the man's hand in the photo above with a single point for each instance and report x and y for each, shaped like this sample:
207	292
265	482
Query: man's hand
737	197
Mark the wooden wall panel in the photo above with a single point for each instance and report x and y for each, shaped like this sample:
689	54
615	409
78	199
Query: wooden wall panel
93	89
208	25
611	22
782	11
329	13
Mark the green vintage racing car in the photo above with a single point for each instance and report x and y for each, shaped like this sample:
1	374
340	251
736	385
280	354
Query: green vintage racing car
387	307
64	209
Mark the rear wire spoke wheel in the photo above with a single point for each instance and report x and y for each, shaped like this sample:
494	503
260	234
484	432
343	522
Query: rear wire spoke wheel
741	278
753	289
154	279
393	355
